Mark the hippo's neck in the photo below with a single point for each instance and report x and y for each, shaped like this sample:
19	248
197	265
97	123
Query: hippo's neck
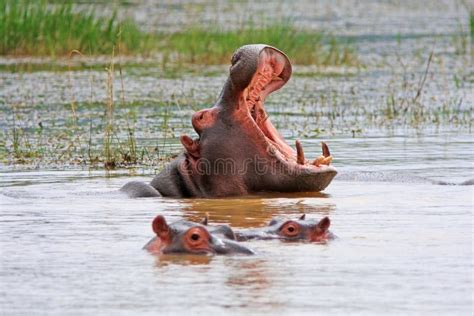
176	179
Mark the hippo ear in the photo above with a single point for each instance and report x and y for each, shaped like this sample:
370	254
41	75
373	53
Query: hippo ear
323	224
191	146
205	220
302	217
320	232
160	227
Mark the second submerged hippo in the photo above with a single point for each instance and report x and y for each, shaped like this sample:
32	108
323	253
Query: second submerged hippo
187	237
290	230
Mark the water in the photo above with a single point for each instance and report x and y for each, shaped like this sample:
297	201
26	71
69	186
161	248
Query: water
71	244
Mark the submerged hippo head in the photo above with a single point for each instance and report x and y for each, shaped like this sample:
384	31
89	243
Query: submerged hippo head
239	150
192	238
291	230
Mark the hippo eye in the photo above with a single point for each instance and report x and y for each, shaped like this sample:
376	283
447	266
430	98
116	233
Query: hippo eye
290	229
197	239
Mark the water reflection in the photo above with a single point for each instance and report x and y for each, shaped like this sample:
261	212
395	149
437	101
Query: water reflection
256	210
182	260
252	276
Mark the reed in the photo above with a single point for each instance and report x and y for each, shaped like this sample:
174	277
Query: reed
39	28
215	46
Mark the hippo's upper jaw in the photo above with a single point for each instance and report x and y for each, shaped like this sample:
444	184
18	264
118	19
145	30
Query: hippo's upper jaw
272	71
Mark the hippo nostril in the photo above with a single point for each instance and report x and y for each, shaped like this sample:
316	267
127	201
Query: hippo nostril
195	237
201	116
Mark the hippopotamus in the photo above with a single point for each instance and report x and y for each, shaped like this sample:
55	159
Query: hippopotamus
238	151
309	230
186	237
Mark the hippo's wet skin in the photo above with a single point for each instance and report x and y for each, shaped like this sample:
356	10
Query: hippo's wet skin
193	238
290	230
238	150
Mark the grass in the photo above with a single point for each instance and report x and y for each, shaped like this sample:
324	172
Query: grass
106	138
39	28
215	46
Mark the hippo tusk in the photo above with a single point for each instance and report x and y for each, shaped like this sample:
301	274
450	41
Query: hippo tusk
325	158
325	148
299	153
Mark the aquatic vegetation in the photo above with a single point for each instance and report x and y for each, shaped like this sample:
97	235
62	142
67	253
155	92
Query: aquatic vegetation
39	28
101	138
215	45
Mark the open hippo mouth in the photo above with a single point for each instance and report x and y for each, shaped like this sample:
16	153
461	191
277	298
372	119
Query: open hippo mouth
238	150
272	71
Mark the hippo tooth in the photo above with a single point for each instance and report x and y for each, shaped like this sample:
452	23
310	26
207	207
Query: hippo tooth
299	153
318	161
321	160
325	148
267	75
327	160
260	84
254	94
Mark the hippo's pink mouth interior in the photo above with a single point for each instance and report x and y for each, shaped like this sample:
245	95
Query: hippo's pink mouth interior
270	76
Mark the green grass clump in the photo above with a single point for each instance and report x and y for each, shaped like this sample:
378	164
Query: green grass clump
38	28
215	46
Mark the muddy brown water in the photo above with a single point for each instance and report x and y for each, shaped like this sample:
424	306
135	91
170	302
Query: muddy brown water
71	244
